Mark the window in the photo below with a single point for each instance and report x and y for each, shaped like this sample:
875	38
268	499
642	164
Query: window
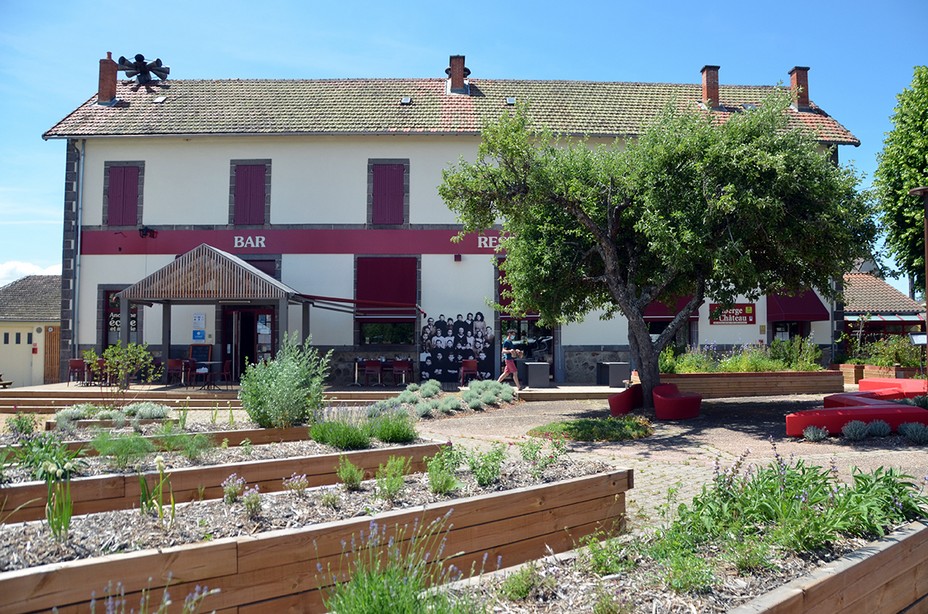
250	192
122	193
29	338
113	324
19	338
6	338
388	192
386	291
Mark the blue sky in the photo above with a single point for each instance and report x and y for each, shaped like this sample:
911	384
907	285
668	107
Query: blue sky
861	55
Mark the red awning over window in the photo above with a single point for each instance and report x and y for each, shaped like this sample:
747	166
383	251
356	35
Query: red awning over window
386	280
659	312
805	307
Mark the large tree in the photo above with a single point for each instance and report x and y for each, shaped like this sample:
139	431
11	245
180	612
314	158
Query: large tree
903	165
692	208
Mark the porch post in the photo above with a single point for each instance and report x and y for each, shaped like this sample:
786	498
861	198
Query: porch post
124	320
165	338
305	323
283	315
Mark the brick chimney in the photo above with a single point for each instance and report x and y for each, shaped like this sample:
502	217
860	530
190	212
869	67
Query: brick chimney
457	72
799	86
106	90
710	86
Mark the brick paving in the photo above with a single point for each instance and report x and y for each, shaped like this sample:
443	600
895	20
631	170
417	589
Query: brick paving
682	455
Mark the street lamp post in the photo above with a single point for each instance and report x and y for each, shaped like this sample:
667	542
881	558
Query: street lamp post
922	191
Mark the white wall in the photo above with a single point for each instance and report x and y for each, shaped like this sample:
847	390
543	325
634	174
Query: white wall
323	275
17	362
595	332
733	334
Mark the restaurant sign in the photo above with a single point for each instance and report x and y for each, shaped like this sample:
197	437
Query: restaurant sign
739	313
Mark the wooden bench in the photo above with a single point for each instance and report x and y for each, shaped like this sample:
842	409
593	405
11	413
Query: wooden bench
4	384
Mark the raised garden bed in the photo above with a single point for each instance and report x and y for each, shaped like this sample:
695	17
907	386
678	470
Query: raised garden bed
886	576
768	383
852	373
871	371
115	492
277	570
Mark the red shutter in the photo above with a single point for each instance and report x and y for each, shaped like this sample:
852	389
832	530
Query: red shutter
386	280
388	193
123	196
249	194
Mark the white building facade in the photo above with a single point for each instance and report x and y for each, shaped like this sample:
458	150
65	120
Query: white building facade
330	187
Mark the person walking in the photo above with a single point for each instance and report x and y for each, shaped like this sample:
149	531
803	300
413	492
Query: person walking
510	353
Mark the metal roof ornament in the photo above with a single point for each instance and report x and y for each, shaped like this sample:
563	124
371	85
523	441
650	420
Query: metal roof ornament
143	70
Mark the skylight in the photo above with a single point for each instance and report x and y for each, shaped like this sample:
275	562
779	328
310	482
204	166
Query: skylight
406	100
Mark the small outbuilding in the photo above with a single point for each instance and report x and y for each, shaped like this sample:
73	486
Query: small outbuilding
30	325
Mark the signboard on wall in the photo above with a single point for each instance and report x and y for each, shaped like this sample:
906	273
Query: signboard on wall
739	313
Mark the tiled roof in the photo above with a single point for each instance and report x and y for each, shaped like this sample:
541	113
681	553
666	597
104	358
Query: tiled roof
372	106
36	298
865	293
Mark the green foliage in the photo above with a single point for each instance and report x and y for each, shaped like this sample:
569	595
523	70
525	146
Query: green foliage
855	430
394	427
798	354
284	391
879	428
297	484
123	448
340	434
147	410
605	556
350	474
449	405
22	425
191	445
429	389
441	469
59	507
619	428
542	453
526	581
903	165
693	207
47	457
232	488
251	501
486	466
814	433
894	350
151	500
915	432
390	477
426	408
390	570
121	364
918	401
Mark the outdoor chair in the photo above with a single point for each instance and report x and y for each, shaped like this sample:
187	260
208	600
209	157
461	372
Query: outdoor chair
625	401
175	371
373	367
77	371
401	370
671	404
225	376
469	369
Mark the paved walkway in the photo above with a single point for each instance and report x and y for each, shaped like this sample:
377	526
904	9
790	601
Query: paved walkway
682	455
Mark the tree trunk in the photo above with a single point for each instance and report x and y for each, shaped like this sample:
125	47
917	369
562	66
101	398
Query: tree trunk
645	356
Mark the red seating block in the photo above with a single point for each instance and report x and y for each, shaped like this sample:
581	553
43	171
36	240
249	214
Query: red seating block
671	404
625	401
908	387
834	419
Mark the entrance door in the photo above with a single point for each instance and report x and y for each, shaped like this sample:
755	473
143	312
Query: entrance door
251	331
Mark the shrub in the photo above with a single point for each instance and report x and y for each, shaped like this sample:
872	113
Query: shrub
340	434
620	428
441	468
449	404
47	457
489	398
191	445
390	477
22	425
123	449
526	581
252	502
412	387
147	410
814	433
475	404
394	427
606	556
407	398
430	389
426	408
350	474
297	484
893	350
915	432
284	391
879	428
232	488
486	466
918	401
855	430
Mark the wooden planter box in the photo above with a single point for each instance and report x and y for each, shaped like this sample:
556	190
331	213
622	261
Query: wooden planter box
277	571
852	373
723	385
871	371
887	576
120	492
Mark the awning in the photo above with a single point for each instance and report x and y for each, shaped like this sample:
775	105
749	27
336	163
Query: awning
805	307
885	317
659	312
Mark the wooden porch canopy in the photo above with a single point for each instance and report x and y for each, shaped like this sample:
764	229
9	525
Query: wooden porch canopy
206	275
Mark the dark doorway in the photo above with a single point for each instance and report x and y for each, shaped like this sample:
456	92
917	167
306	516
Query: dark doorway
250	336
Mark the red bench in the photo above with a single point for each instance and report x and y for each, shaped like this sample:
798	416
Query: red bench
908	387
625	401
856	399
834	419
671	404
